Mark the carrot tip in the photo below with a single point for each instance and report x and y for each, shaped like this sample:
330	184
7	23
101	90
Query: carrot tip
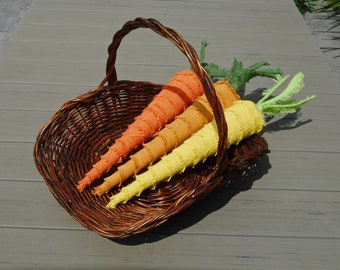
80	187
82	184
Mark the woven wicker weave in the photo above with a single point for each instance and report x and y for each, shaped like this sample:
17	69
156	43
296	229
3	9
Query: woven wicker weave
83	128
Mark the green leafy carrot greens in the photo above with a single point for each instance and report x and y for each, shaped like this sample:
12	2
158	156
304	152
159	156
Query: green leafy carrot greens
237	75
244	117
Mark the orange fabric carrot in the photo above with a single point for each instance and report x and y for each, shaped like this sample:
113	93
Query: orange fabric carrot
171	136
173	99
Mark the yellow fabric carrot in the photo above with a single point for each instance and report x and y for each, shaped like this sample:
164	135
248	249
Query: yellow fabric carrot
171	136
244	119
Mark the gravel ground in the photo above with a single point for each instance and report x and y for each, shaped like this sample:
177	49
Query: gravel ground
11	11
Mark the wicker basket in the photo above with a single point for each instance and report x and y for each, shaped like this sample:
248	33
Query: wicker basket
83	128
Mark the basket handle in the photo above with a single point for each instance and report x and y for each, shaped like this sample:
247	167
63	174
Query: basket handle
190	53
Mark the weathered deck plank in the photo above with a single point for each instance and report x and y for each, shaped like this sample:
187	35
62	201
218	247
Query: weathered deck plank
283	208
284	215
79	249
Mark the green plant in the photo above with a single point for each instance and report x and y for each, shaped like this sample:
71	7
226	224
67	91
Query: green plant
332	6
318	6
305	6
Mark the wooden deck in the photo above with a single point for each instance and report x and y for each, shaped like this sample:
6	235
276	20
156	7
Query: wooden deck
287	216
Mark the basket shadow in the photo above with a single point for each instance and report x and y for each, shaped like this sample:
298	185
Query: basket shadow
290	121
199	210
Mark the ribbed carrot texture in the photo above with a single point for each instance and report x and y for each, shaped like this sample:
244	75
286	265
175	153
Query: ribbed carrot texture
178	94
244	119
171	136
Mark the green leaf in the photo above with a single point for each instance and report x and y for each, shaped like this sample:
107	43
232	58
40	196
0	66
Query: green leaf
283	104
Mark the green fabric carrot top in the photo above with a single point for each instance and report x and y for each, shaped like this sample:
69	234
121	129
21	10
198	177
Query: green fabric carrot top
237	75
